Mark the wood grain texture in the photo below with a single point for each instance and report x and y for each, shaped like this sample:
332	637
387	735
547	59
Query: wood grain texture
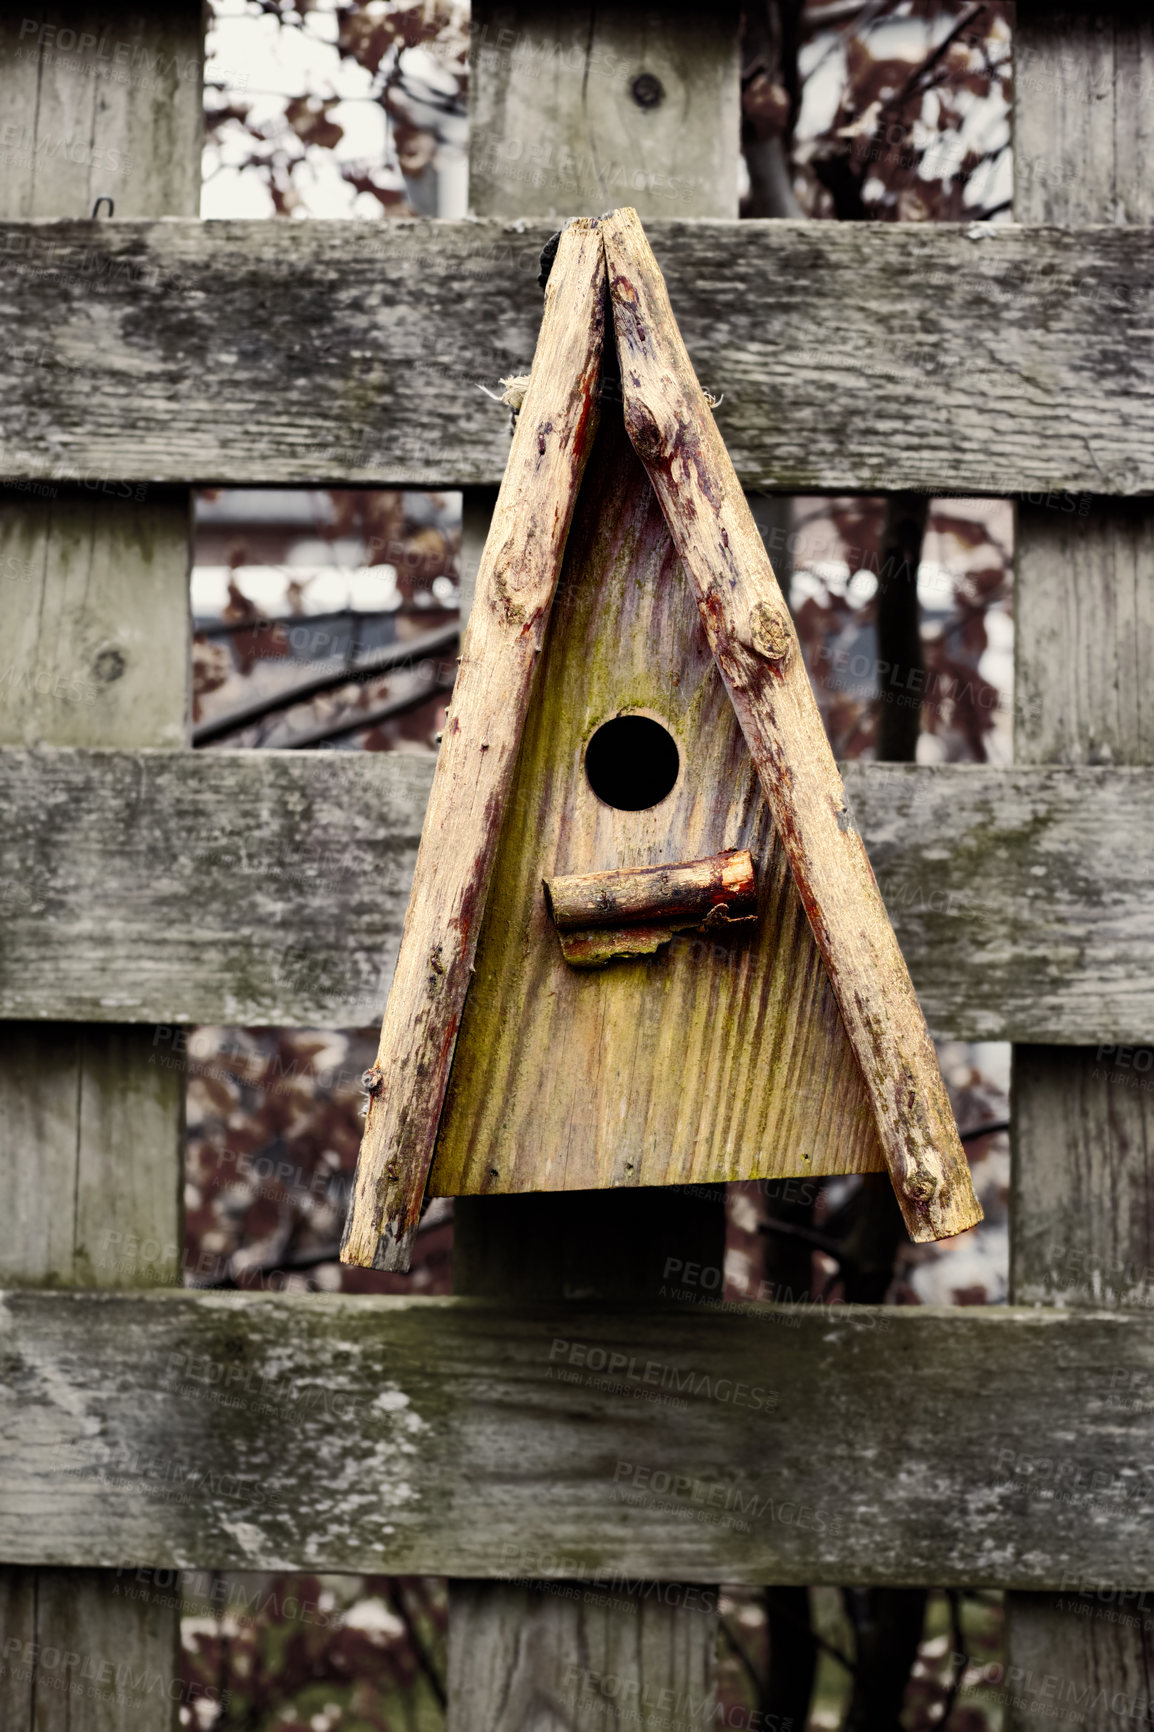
555	127
307	862
1082	1221
519	1642
1082	130
464	1437
475	765
94	599
94	620
82	1654
1084	619
270	887
1082	1658
173	351
101	102
570	1656
91	1144
751	636
719	1057
1083	1175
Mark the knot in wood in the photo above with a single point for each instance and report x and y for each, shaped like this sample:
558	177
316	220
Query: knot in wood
511	608
770	632
645	435
921	1183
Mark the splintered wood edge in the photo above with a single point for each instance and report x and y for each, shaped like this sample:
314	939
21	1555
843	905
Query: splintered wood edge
477	758
750	631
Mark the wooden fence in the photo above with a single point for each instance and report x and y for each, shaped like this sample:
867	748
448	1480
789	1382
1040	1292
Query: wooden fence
486	1436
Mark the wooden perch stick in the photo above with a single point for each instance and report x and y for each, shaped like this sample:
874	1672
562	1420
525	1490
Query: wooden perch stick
656	893
515	585
604	917
753	641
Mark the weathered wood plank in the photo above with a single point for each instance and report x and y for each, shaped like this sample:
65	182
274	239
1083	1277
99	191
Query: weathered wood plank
91	1137
1082	135
571	1657
1081	1658
473	778
94	600
1084	624
464	1437
562	127
270	888
844	354
311	860
97	103
102	103
1082	1221
1083	1176
81	1654
517	1640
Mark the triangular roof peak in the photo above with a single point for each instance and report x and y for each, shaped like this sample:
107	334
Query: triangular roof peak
604	269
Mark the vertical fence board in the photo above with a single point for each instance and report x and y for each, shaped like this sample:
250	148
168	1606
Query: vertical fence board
529	1652
89	1157
95	647
569	1656
556	129
80	1657
579	108
1082	1221
105	102
95	621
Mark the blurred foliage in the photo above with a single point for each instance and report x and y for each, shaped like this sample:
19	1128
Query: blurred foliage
892	110
316	1654
407	59
402	543
966	595
274	1124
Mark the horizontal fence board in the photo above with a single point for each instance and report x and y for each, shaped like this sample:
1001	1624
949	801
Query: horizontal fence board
983	359
270	887
460	1437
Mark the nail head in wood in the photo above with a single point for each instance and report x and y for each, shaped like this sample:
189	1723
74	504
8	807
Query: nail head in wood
647	90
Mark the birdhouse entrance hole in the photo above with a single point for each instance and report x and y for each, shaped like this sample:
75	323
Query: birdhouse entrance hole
632	763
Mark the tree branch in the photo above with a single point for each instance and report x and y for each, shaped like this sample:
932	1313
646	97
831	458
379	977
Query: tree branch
387	660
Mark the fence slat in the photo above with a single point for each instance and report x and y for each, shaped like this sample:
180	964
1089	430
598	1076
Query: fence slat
1083	1210
556	88
270	887
94	619
477	1438
522	1641
844	353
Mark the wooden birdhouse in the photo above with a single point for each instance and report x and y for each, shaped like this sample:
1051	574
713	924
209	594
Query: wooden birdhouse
645	945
